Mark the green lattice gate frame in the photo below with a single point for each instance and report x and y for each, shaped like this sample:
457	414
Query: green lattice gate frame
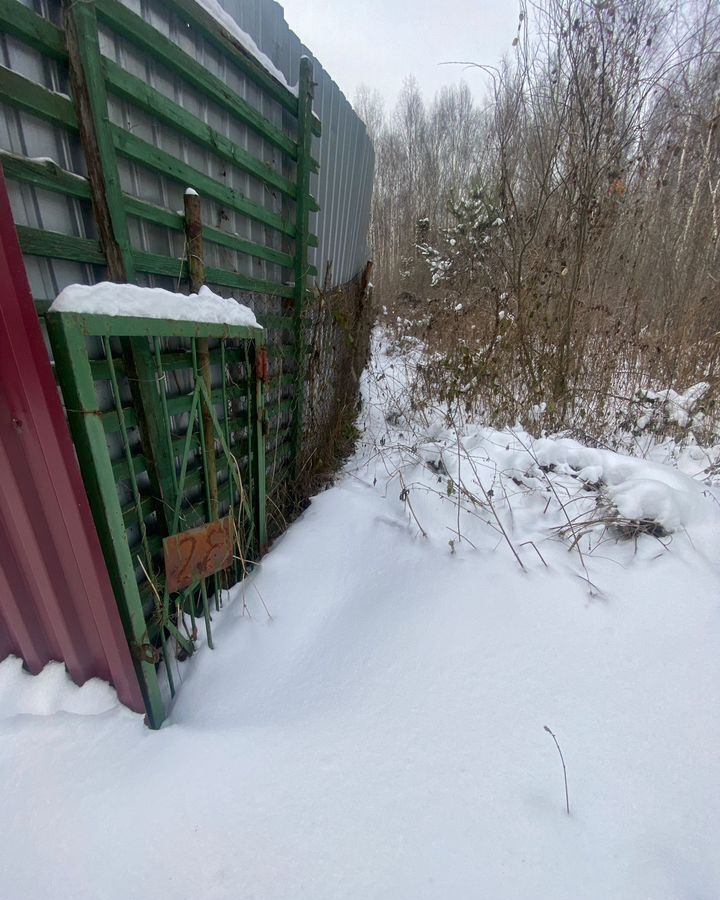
256	250
138	500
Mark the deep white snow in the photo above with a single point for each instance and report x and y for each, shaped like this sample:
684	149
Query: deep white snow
381	736
111	299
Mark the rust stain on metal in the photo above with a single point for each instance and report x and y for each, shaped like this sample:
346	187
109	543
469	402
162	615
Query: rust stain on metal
262	366
198	552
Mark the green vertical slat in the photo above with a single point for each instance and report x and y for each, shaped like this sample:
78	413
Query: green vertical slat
249	369
226	423
73	370
127	451
305	98
258	424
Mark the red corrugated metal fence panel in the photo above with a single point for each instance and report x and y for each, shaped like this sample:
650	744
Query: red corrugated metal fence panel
56	601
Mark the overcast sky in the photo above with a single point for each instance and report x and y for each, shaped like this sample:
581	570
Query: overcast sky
379	42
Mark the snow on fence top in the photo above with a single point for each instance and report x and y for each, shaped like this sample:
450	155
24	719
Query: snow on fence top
245	41
111	299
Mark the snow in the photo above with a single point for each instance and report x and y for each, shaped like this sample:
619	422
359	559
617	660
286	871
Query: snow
245	40
638	488
109	299
674	407
51	692
382	734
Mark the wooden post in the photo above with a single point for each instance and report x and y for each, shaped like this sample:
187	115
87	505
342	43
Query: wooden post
196	271
88	87
302	223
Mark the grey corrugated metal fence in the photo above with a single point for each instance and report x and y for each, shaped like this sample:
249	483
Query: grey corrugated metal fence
343	187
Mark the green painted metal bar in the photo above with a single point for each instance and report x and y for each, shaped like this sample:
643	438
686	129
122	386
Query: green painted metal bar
161	49
36	31
184	459
226	422
226	450
101	370
305	99
234	242
179	637
182	359
134	515
258	459
206	613
250	368
73	369
134	148
117	326
49	176
171	360
127	451
177	406
162	388
205	393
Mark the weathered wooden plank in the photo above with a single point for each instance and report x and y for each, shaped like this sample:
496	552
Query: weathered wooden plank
162	108
22	93
134	29
146	154
48	244
37	32
44	174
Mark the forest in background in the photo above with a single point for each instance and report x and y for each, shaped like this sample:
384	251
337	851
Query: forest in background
554	246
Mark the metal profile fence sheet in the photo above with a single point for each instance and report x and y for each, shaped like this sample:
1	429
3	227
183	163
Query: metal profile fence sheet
56	601
342	188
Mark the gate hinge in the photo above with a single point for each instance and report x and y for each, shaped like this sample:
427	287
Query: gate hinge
145	653
262	366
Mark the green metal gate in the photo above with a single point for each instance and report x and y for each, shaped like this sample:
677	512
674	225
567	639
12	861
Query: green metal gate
168	419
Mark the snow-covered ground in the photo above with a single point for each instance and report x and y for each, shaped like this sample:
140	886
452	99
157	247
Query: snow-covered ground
382	735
